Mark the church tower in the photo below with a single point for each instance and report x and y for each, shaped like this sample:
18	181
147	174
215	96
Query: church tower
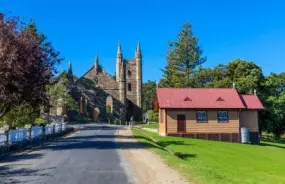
121	78
138	59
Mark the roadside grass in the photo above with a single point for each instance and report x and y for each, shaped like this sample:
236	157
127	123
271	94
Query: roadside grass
213	162
151	125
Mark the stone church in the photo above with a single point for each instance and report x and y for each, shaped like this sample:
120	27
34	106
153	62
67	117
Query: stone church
101	95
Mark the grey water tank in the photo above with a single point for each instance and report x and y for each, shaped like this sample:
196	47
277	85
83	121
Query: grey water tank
245	135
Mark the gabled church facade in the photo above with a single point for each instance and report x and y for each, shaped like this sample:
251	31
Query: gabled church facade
101	95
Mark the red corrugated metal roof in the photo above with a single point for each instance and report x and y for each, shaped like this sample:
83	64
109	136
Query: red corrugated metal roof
251	102
215	98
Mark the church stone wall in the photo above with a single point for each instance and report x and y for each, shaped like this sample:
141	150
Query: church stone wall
96	86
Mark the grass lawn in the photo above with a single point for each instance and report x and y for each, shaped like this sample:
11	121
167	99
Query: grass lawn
151	125
209	162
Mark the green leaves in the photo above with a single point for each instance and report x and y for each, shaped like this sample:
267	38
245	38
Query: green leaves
274	100
59	93
183	57
21	115
148	95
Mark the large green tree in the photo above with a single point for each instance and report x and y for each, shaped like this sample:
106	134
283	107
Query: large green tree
183	57
148	95
247	76
273	97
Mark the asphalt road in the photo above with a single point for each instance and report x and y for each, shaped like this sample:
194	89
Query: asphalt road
91	155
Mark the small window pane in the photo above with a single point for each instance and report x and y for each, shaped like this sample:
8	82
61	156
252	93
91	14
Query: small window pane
223	116
201	116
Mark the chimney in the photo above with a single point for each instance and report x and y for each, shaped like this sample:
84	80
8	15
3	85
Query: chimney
156	84
254	91
234	85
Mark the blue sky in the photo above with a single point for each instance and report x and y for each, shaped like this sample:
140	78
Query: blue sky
253	30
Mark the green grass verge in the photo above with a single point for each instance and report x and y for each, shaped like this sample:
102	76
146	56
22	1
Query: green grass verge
152	125
213	162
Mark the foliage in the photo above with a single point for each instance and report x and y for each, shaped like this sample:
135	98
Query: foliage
40	121
148	95
21	115
109	109
273	118
59	92
183	57
27	62
109	112
203	161
247	76
152	116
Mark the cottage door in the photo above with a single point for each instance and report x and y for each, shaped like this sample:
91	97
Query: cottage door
181	124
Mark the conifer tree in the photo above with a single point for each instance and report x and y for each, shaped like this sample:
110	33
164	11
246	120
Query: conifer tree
183	57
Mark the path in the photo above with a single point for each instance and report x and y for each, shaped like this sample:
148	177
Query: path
148	166
89	156
95	154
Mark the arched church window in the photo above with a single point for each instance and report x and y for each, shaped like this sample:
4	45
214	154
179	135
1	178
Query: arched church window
83	105
109	104
129	73
129	87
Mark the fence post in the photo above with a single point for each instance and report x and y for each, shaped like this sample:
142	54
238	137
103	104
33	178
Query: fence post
7	138
53	130
44	132
30	134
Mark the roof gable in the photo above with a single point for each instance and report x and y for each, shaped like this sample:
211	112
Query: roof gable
187	99
251	102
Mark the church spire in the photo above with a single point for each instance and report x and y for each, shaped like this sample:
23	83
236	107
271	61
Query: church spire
138	51
69	71
119	52
119	61
96	63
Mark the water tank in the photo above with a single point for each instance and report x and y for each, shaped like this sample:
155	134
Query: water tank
245	135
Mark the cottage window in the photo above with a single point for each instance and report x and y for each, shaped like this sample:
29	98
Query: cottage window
223	116
202	116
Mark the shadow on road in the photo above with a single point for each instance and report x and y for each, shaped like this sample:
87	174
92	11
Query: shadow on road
9	174
17	157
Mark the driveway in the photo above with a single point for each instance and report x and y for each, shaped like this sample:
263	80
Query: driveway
91	155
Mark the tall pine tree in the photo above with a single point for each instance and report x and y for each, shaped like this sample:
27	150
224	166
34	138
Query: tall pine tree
183	57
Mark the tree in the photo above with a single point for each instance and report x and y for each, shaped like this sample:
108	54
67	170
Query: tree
21	115
171	78
183	57
109	113
273	97
148	95
59	93
152	116
27	62
246	75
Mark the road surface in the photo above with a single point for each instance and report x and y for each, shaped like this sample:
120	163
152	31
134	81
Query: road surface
91	155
